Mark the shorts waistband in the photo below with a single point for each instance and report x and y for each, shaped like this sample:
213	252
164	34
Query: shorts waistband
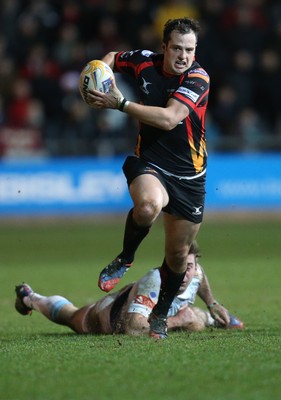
187	178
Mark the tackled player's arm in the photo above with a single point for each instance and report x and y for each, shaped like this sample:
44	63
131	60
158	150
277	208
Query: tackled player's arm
204	291
217	311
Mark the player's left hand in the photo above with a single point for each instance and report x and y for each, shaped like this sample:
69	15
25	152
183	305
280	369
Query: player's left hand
106	100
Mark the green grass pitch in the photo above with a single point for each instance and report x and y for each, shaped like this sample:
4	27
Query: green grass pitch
40	360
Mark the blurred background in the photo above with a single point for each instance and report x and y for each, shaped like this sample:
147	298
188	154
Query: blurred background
57	155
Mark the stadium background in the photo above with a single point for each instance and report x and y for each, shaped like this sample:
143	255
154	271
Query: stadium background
63	199
56	152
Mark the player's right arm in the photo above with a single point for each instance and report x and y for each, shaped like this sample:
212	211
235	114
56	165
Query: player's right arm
165	118
217	311
109	59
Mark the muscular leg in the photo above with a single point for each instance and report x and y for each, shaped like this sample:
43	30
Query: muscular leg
133	236
149	197
179	235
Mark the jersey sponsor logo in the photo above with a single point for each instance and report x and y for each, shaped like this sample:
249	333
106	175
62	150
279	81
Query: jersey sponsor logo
198	71
188	93
145	301
197	210
146	53
126	54
194	83
144	85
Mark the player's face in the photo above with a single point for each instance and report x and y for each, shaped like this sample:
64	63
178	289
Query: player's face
190	272
179	52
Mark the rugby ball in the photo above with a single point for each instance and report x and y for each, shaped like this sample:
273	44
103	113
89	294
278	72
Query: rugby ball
95	75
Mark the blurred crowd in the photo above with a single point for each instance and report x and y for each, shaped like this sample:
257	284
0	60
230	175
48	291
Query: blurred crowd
45	44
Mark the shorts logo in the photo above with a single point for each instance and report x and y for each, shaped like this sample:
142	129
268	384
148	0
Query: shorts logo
149	170
197	210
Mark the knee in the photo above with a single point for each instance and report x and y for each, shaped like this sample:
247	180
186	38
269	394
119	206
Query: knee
146	212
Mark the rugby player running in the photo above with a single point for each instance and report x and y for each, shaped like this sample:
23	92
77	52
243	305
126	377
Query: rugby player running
168	170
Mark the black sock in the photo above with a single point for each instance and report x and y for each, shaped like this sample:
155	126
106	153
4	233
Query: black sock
133	236
170	284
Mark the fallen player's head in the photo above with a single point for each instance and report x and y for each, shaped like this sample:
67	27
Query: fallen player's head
194	249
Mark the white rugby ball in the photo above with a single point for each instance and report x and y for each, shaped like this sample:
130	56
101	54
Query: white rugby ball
95	75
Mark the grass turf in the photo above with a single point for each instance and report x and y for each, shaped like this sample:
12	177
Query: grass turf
41	360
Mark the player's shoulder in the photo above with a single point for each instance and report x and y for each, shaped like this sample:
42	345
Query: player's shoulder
197	72
139	55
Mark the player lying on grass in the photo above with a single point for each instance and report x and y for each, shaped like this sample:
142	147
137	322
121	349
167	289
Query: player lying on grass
127	310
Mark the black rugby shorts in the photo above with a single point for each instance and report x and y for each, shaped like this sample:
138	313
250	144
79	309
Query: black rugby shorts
186	197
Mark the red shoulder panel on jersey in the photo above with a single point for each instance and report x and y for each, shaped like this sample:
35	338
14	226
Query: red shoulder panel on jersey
184	99
144	65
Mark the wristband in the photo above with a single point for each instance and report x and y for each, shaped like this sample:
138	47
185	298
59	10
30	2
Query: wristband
122	103
213	304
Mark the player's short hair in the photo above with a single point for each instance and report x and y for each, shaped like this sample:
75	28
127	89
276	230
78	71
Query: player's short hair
181	25
194	249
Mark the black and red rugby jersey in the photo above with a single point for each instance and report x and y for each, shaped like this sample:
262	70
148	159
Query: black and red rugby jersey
181	151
